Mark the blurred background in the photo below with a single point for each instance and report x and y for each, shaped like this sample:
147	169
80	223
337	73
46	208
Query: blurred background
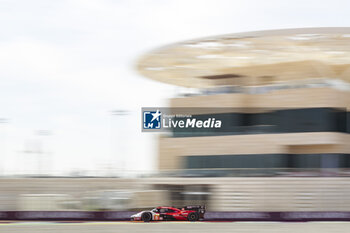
73	84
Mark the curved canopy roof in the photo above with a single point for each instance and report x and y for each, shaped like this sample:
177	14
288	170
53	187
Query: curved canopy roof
252	58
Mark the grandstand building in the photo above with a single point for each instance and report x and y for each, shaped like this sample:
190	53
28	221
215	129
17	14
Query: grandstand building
285	94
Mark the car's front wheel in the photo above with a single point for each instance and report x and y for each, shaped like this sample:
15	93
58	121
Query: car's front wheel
194	216
146	216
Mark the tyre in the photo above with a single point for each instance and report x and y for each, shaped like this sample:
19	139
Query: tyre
194	216
146	216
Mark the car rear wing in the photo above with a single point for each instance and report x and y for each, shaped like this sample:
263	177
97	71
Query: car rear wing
199	208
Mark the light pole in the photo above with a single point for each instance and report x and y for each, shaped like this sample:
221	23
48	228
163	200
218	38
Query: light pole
3	121
36	148
119	113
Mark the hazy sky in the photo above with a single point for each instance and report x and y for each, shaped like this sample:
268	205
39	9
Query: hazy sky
64	65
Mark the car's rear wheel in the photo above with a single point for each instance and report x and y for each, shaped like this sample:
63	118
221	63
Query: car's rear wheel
194	216
146	216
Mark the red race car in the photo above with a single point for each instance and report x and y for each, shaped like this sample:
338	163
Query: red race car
162	213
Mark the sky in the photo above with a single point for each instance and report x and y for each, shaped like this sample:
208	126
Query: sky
66	65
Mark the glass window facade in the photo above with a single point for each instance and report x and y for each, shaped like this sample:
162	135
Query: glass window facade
279	121
267	161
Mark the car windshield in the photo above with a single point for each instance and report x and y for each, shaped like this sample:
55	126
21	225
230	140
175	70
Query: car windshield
155	210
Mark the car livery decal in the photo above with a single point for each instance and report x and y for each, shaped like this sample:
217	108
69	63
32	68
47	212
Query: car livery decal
156	217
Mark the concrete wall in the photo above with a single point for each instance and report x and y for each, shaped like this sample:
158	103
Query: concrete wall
76	188
272	194
226	194
171	150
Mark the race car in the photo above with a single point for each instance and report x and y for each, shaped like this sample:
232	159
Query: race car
163	213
